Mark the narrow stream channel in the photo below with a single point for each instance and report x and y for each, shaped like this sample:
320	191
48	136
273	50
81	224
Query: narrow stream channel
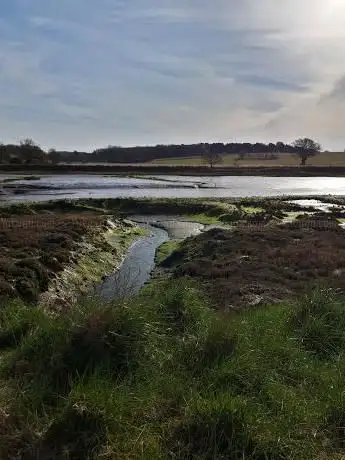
136	269
139	262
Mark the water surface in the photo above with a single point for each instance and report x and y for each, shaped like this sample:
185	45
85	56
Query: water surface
136	268
139	262
97	186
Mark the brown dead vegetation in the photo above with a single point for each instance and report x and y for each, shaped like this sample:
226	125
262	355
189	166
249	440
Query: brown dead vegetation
255	264
34	247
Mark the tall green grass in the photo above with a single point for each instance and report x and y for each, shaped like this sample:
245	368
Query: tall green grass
163	376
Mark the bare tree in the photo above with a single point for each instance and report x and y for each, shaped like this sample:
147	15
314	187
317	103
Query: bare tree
306	148
28	143
30	152
210	156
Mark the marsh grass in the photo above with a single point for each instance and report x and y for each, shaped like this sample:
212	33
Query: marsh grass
165	250
261	264
164	376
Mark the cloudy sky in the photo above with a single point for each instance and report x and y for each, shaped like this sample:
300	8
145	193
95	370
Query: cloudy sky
81	74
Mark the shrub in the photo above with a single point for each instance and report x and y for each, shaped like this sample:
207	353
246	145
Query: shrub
6	266
51	262
249	265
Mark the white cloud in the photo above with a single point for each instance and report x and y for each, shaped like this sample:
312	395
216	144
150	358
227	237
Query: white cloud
86	73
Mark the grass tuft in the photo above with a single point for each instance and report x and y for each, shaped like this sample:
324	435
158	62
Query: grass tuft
320	323
16	322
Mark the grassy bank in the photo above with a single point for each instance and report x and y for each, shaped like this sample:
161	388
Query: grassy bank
164	377
98	256
36	246
165	250
53	253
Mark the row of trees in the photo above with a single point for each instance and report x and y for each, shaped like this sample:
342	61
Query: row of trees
303	148
28	152
142	154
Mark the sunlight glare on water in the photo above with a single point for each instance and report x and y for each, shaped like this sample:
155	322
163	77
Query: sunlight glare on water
86	186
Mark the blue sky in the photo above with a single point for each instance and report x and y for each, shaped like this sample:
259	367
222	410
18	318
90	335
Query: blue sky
83	74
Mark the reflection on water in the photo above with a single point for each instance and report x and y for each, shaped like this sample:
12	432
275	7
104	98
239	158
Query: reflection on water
86	186
316	204
176	226
140	260
136	269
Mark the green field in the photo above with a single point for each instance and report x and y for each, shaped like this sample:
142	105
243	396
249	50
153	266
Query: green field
323	159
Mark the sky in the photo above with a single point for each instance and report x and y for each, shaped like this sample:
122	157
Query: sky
82	74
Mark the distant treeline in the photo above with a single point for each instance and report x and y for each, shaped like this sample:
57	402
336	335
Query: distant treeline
141	154
30	153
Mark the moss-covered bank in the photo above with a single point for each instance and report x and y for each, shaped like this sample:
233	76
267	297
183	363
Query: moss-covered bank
97	256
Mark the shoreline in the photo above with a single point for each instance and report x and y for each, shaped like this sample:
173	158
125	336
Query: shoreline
270	171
